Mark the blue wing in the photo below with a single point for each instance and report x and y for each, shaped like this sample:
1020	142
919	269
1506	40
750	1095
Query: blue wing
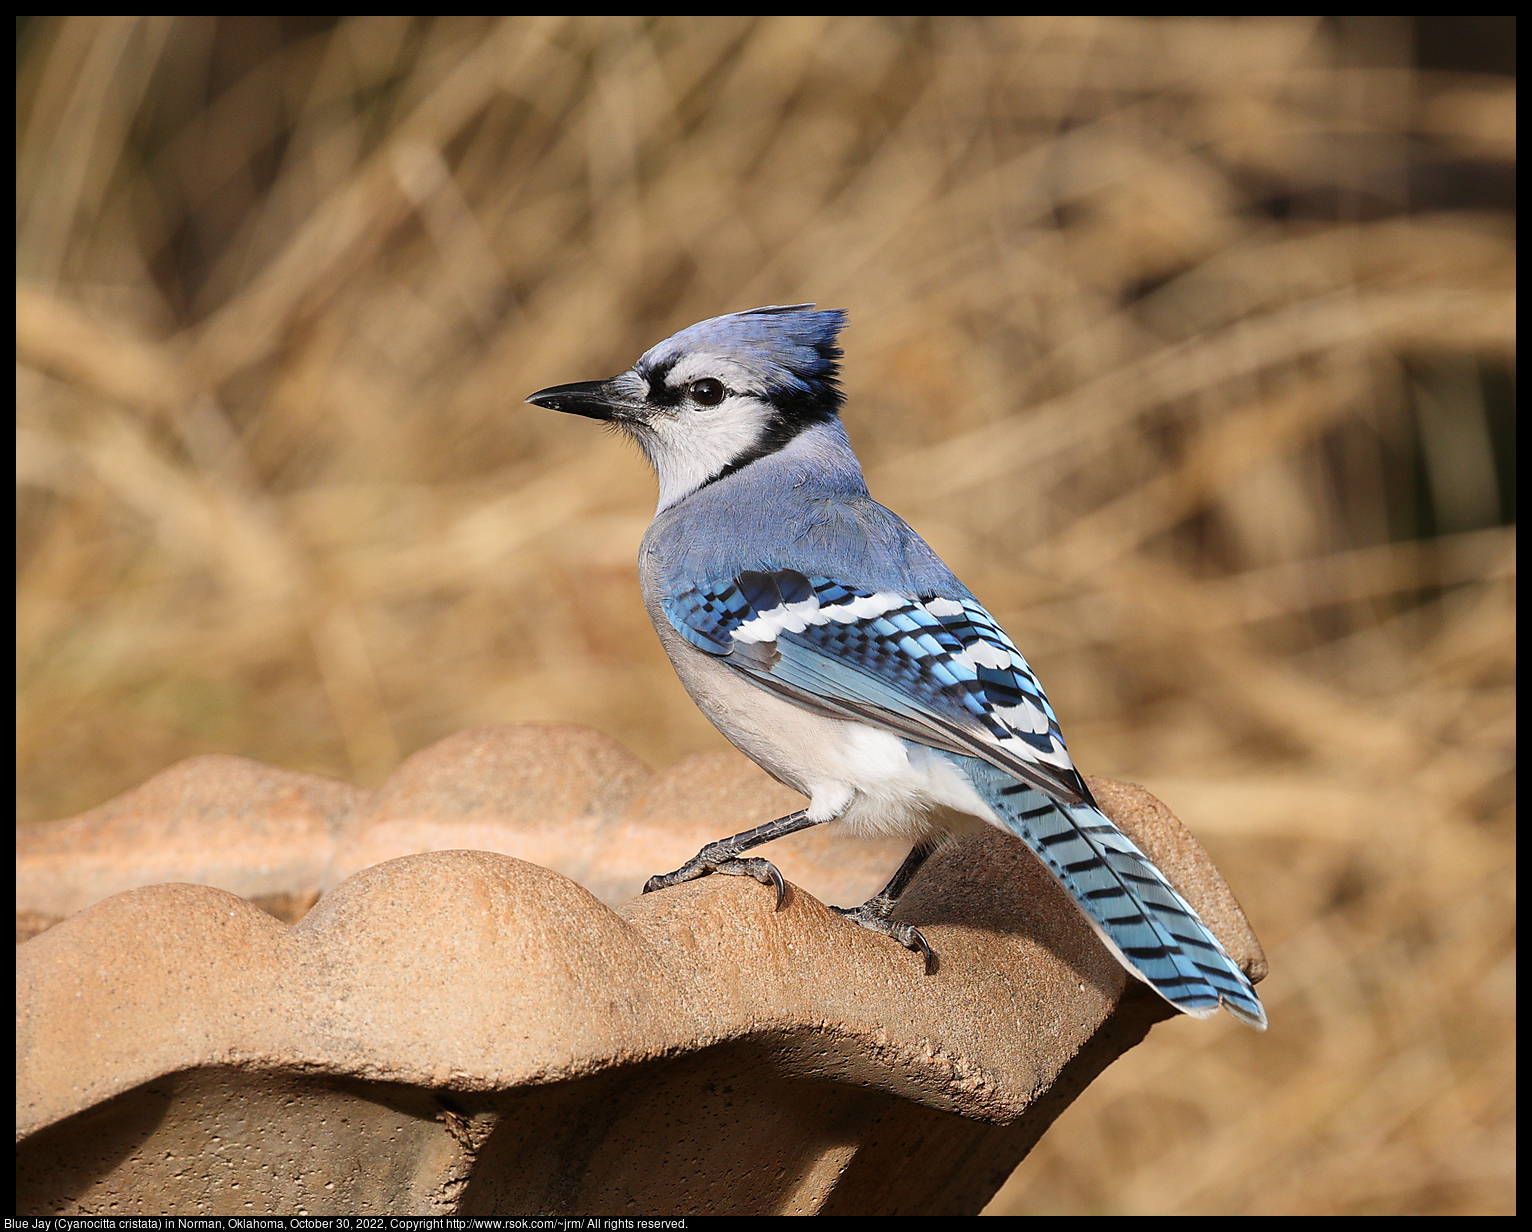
933	669
939	671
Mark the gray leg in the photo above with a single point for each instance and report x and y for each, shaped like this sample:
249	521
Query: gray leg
874	913
723	856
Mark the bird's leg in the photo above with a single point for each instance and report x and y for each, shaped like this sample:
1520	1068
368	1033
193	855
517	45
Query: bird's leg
875	911
723	856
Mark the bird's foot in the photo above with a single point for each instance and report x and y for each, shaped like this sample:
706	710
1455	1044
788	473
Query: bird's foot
873	915
709	861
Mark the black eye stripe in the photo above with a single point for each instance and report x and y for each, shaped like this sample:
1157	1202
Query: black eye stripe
661	394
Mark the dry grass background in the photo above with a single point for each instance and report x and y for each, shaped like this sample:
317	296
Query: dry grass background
1188	342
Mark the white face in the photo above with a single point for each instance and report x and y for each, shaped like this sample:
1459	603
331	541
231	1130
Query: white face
690	441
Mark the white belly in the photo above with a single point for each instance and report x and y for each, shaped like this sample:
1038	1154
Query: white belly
869	781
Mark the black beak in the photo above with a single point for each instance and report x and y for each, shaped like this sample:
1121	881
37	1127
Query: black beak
593	399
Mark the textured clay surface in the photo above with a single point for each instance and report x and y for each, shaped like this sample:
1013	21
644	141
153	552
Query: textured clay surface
456	1030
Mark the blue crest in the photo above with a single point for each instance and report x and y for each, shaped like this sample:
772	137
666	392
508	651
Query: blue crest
790	347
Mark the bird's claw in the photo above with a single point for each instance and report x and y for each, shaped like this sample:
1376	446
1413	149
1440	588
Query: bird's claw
917	942
763	871
907	935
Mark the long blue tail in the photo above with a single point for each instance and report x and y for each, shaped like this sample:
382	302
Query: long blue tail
1146	924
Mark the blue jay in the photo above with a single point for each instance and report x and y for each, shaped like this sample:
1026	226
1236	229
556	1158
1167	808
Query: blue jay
821	635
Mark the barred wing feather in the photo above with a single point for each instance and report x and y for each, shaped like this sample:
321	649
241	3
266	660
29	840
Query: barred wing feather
940	671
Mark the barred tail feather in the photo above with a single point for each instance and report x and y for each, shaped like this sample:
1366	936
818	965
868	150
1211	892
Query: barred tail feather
1145	923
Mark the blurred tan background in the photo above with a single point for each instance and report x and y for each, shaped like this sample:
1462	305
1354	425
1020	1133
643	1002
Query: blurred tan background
1187	342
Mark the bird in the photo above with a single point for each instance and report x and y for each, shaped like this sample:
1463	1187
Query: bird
823	637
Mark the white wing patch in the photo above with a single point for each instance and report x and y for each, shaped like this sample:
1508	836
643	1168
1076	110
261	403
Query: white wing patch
796	617
1025	717
982	653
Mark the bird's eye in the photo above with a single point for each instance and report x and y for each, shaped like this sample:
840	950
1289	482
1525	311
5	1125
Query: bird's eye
706	392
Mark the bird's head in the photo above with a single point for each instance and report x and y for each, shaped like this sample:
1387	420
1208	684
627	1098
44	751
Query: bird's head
720	394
